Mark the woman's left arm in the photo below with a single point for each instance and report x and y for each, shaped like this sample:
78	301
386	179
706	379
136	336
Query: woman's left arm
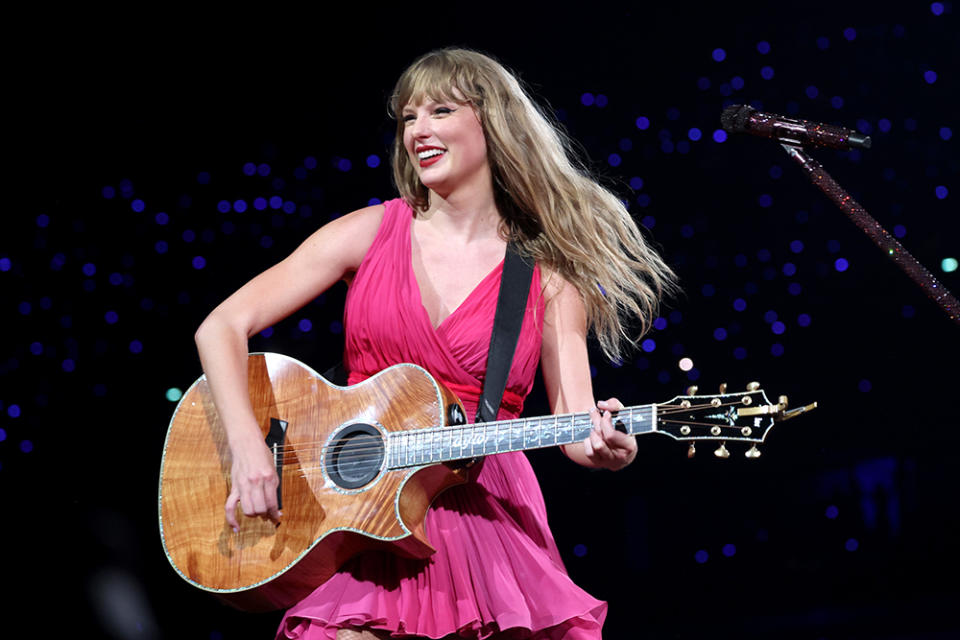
566	373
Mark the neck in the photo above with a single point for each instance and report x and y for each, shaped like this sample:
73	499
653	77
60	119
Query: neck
467	217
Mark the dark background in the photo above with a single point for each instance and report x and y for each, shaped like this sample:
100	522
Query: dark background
846	527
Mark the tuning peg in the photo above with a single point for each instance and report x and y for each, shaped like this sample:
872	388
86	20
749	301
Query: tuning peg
723	387
753	386
721	451
753	453
691	450
783	401
692	390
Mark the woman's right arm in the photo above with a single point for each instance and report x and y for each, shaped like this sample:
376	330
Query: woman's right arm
330	254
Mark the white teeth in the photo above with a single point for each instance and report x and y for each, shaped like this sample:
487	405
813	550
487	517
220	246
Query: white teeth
429	153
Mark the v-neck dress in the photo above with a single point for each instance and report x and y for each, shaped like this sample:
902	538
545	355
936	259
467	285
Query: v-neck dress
496	567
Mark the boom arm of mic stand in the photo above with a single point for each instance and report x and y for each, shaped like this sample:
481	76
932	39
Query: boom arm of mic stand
890	245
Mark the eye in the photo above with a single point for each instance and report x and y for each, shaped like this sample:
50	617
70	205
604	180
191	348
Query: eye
408	117
443	110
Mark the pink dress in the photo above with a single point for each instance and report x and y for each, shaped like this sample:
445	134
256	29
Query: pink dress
496	566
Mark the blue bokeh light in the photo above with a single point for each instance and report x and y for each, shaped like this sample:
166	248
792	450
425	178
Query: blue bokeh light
719	135
766	72
841	264
701	556
763	47
648	345
642	123
718	54
930	76
729	550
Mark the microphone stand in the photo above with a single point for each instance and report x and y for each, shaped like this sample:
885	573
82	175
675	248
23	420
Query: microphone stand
890	246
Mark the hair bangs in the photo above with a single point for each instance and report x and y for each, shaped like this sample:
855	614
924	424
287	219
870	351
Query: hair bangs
436	77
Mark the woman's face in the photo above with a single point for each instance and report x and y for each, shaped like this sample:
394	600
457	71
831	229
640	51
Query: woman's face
445	142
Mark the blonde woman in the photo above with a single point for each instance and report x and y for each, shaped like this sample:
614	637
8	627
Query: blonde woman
477	165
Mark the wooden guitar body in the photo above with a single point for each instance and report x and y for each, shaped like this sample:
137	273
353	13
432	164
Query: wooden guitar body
333	508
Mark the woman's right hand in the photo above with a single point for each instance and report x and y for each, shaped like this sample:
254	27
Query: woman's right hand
254	484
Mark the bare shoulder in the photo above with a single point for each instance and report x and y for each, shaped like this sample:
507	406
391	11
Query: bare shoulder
345	240
559	294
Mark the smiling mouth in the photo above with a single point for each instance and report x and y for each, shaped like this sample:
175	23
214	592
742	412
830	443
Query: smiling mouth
428	157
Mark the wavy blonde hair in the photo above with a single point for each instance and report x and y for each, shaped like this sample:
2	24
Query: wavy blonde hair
552	208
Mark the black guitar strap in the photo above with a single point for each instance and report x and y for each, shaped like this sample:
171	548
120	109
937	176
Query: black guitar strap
511	307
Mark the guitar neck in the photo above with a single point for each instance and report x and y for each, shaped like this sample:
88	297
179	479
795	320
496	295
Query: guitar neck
462	442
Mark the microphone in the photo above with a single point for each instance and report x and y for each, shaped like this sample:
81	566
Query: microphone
741	118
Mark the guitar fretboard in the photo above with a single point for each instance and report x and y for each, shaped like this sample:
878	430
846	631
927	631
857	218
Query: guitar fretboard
446	444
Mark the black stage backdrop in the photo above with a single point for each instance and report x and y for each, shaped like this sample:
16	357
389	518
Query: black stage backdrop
160	162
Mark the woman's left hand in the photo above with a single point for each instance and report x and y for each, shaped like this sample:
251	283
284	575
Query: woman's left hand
606	447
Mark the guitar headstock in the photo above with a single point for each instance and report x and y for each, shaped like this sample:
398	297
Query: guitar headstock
743	416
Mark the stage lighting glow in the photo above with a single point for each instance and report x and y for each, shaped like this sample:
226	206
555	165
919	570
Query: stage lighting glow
739	304
719	55
941	192
770	316
648	345
642	123
865	386
203	177
763	47
68	365
737	82
687	231
812	92
946	133
160	246
841	264
614	160
259	203
832	512
136	346
290	206
766	72
587	99
708	290
188	235
108	192
789	269
644	201
174	394
776	349
694	134
263	169
580	550
729	550
739	353
685	364
719	135
763	255
648	221
884	125
224	206
373	161
795	288
602	100
823	43
899	230
833	246
701	556
26	446
249	169
636	183
703	83
13	411
936	8
720	334
138	205
336	327
239	206
660	324
930	76
111	317
778	327
851	544
199	262
305	325
910	124
949	265
850	34
836	102
667	146
266	242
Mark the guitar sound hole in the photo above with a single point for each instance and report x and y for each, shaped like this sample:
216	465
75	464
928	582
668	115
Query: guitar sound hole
354	457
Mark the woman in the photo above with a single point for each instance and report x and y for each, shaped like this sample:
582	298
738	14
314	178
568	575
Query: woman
476	164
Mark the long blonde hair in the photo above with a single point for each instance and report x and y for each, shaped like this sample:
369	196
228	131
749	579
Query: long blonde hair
551	207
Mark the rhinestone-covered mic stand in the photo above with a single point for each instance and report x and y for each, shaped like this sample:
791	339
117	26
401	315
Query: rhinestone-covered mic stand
891	247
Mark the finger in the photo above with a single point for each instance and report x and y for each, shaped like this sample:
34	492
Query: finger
231	510
611	404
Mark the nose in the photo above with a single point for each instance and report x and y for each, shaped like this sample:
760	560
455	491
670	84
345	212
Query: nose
420	126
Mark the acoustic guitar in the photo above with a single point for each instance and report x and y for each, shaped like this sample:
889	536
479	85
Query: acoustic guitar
360	465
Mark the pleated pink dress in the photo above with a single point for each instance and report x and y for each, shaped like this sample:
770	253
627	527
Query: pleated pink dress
497	568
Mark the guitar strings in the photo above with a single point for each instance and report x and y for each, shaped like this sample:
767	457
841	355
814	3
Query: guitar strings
361	454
